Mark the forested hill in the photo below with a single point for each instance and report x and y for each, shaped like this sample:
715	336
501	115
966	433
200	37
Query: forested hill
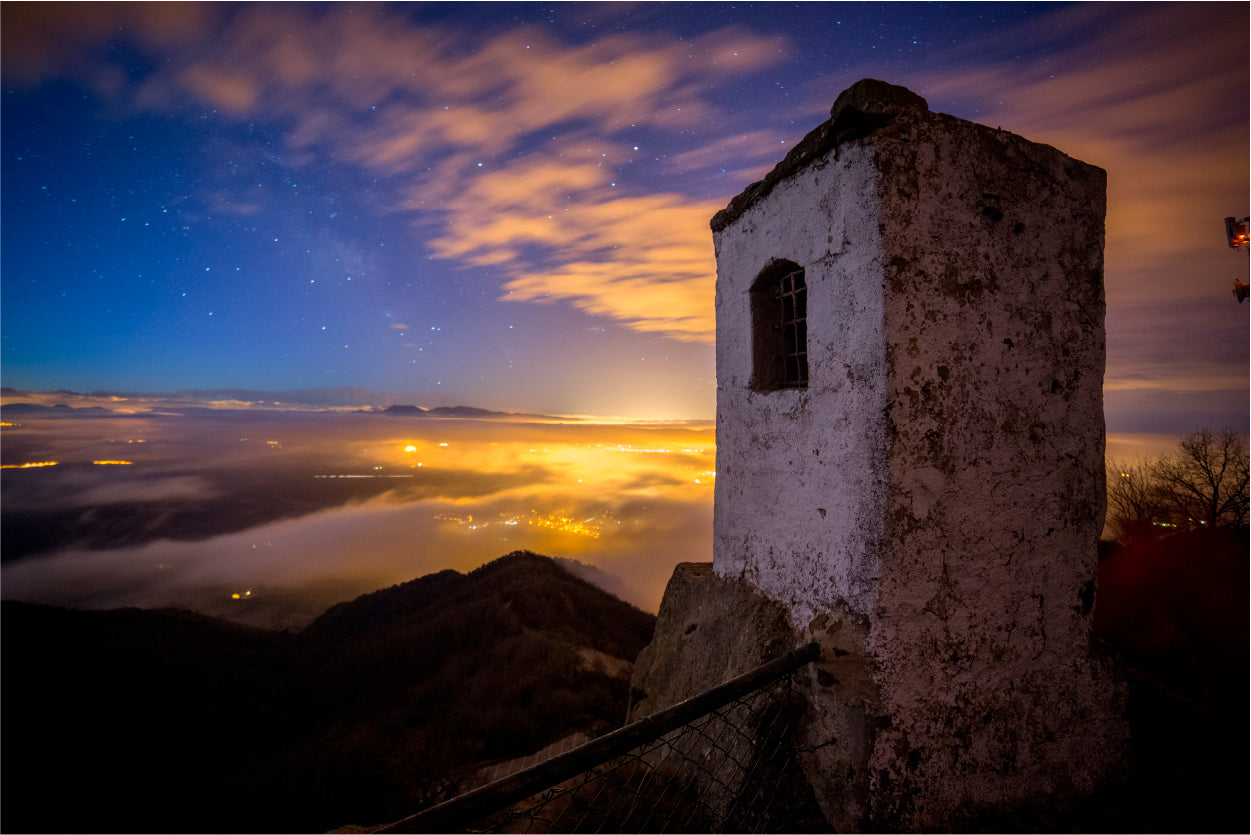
136	720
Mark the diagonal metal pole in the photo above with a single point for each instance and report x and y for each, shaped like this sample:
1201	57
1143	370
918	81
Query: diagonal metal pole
454	814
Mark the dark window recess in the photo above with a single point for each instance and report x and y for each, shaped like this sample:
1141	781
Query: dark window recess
780	328
792	298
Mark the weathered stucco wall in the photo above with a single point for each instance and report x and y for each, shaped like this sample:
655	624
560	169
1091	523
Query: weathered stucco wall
995	498
929	506
799	502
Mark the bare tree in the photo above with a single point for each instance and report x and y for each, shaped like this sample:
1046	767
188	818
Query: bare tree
1137	506
1205	484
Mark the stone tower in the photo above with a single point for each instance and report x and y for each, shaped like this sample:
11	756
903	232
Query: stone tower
910	441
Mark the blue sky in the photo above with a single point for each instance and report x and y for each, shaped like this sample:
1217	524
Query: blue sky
507	204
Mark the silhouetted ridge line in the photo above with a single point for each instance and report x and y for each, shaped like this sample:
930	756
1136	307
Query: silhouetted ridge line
385	704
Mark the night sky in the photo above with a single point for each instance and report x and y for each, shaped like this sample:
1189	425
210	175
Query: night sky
506	205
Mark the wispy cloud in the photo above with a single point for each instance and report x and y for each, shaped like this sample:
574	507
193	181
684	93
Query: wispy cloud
1170	125
643	259
45	41
488	138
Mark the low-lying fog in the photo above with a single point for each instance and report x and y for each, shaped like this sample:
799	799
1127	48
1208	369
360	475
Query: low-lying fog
270	517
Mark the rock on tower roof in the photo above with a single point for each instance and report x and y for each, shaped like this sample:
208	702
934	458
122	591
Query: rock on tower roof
862	109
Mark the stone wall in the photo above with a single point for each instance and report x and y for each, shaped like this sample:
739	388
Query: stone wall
995	475
928	506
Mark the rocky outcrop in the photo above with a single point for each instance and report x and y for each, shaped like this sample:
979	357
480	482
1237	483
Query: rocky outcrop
709	630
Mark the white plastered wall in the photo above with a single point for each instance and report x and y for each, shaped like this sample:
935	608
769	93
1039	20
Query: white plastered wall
799	495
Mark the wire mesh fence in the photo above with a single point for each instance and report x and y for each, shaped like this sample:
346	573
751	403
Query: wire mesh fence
723	761
731	770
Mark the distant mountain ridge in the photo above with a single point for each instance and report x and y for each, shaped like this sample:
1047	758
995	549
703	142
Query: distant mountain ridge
360	399
59	409
444	411
382	705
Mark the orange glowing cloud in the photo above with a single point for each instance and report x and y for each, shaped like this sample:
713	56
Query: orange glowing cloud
441	108
424	103
232	93
645	260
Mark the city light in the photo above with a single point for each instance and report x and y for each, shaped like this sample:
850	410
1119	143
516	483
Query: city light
591	527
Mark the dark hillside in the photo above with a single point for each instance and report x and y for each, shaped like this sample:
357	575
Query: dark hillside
169	721
456	669
381	609
110	718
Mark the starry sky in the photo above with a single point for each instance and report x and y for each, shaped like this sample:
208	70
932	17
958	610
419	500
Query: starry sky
506	205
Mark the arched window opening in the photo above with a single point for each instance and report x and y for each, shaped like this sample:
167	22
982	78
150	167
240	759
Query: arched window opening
779	313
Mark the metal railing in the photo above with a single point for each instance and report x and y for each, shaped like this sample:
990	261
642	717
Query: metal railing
720	761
